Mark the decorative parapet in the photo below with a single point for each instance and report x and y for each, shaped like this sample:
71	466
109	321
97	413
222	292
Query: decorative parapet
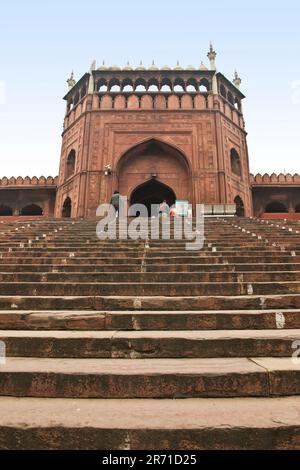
28	182
275	180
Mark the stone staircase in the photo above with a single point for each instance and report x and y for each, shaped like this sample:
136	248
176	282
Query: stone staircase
144	345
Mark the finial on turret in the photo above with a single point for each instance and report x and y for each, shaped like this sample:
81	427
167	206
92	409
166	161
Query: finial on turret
212	57
153	66
71	81
140	66
127	66
178	66
236	80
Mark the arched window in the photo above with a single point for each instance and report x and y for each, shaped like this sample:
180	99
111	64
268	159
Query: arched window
102	85
223	91
235	162
103	89
114	85
297	208
6	210
204	86
32	209
191	85
275	207
70	168
140	85
179	85
240	210
67	208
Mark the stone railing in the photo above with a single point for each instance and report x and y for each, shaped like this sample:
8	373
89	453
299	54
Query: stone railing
27	181
274	179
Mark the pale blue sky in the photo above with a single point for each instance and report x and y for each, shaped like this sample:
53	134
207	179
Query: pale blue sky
42	41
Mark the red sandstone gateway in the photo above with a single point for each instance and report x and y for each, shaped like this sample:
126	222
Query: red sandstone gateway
154	134
142	344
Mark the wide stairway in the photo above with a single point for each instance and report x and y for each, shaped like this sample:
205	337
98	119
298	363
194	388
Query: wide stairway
145	345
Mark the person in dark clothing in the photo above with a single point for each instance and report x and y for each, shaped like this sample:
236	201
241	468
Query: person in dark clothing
115	202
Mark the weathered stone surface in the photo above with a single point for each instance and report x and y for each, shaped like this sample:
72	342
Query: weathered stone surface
204	423
145	378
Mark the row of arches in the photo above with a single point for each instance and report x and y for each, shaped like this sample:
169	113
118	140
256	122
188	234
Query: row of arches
31	209
153	102
233	100
166	85
279	207
140	85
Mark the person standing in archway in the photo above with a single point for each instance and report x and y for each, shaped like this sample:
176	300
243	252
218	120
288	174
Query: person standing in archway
115	202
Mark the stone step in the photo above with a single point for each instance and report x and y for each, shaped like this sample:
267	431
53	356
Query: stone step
176	289
154	268
216	259
150	344
163	303
130	424
149	378
61	244
147	277
149	320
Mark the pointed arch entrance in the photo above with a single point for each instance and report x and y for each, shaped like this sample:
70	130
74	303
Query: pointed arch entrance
153	171
240	209
67	208
152	192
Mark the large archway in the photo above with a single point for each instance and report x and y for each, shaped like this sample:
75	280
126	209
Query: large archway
5	210
32	209
153	171
276	207
240	209
152	192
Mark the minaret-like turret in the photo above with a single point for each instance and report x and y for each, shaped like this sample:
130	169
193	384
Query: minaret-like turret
237	80
71	81
91	79
212	57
